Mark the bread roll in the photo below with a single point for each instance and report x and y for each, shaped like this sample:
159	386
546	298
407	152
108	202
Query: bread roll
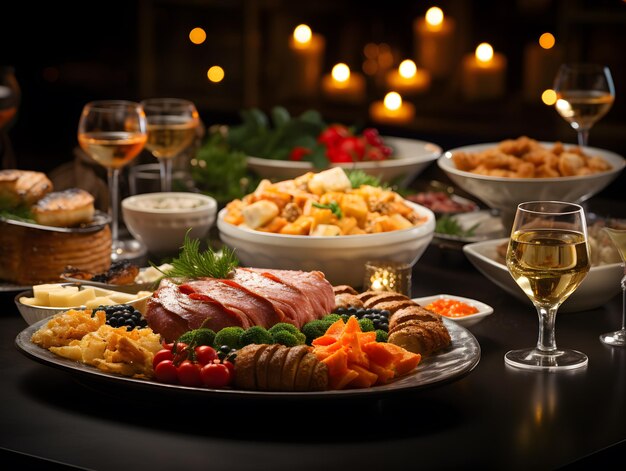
22	188
66	208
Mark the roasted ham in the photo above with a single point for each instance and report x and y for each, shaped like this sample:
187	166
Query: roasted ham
249	297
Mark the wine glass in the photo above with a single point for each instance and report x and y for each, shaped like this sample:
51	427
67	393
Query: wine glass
113	132
618	338
585	93
9	103
548	256
172	124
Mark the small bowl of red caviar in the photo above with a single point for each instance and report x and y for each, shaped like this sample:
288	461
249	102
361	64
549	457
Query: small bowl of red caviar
463	311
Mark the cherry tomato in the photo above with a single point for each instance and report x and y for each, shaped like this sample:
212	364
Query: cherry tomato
205	354
166	372
231	367
333	135
161	355
336	155
167	346
353	146
215	375
189	373
297	153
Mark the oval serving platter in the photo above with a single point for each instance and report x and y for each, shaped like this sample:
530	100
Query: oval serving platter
445	366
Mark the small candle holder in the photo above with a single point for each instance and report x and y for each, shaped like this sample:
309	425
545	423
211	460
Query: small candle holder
383	275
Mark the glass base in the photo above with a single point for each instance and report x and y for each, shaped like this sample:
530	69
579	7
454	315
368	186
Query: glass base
127	250
615	339
533	359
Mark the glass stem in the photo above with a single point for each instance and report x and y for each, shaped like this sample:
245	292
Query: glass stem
546	342
624	303
166	174
113	179
583	137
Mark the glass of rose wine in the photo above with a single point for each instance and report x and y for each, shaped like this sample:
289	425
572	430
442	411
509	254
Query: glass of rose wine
113	133
585	93
618	338
172	124
548	257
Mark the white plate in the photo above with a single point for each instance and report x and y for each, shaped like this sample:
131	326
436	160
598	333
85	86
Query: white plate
600	285
411	156
489	227
484	310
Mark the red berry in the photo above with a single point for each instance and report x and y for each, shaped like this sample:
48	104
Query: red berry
336	155
372	137
387	151
354	147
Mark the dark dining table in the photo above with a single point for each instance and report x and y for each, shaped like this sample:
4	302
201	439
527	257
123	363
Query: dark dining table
490	417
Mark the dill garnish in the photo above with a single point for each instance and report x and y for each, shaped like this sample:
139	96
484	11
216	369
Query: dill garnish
191	263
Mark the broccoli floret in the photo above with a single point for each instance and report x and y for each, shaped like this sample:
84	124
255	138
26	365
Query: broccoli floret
283	326
331	318
345	317
230	336
196	337
255	334
366	324
290	328
288	339
381	335
315	329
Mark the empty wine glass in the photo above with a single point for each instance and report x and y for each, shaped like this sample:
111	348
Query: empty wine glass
548	256
172	124
113	132
585	93
618	338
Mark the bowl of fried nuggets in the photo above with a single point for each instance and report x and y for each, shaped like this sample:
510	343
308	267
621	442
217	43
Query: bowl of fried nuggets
504	174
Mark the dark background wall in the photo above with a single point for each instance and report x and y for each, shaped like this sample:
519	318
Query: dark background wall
68	53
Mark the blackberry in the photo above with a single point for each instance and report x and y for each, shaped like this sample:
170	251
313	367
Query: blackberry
122	315
379	317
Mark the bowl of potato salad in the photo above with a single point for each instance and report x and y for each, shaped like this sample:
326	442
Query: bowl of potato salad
318	221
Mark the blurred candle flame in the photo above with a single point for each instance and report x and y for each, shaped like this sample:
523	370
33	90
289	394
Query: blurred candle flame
393	101
434	18
547	40
341	72
302	34
484	53
407	69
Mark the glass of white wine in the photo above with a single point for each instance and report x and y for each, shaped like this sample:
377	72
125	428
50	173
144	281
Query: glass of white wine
618	338
548	257
113	133
585	93
172	124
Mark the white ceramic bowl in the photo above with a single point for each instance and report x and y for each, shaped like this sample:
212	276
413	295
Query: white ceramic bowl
409	159
600	285
162	230
468	320
32	314
342	258
505	194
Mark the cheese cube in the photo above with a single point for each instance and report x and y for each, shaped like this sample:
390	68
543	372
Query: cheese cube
80	298
40	293
334	179
60	297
